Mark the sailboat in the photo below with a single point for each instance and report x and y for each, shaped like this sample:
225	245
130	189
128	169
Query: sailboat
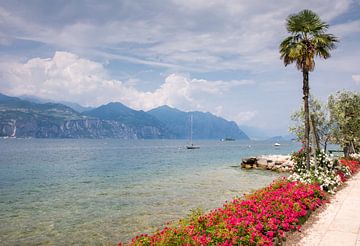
191	146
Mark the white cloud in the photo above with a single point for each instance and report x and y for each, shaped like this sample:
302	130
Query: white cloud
345	29
356	78
193	35
67	77
244	117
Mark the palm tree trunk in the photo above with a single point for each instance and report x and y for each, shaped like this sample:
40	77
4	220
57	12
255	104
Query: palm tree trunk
307	116
315	134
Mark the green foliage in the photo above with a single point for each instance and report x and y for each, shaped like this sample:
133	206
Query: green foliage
299	160
345	117
319	113
308	40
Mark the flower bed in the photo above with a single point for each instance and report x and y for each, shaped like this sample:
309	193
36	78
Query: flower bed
261	218
353	165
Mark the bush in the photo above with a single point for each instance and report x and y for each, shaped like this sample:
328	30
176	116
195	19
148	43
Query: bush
323	171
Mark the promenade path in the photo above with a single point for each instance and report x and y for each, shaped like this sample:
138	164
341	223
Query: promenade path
339	223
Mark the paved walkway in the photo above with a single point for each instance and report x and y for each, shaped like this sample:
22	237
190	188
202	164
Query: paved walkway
339	223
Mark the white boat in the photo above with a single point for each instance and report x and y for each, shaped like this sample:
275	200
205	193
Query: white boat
191	145
276	144
227	139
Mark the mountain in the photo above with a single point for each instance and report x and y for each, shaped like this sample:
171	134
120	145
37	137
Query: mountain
77	107
282	138
205	125
5	98
21	118
120	112
24	118
17	106
145	125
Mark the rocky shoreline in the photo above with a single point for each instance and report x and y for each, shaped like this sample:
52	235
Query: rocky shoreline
278	163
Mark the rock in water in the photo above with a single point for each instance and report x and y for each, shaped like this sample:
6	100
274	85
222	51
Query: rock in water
280	163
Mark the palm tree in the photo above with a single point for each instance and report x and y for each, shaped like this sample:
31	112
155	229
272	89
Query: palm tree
307	40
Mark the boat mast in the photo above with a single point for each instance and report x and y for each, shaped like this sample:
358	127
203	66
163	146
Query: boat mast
191	125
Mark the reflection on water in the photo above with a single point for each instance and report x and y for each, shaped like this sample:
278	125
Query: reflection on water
103	191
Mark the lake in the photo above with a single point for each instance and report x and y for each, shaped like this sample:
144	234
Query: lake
77	191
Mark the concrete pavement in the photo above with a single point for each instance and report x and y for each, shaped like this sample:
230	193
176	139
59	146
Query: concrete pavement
339	223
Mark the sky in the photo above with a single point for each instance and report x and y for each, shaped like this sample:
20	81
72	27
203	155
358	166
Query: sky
218	56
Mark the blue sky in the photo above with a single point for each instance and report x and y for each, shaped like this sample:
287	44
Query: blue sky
219	56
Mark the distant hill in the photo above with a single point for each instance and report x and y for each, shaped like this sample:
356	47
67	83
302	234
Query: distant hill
24	118
145	123
14	105
119	112
282	138
205	125
77	107
5	98
21	118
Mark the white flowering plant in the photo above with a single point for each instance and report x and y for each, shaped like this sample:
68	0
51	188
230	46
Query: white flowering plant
355	156
323	171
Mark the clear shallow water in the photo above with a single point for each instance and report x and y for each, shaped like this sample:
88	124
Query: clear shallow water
102	191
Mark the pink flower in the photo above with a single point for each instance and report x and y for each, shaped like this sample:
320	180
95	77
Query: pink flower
257	219
270	234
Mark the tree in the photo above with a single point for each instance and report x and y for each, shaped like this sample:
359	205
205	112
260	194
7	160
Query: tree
307	41
319	119
344	112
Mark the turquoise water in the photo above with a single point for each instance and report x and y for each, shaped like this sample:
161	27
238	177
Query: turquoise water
101	191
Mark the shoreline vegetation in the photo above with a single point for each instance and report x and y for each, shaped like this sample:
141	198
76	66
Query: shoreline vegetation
267	216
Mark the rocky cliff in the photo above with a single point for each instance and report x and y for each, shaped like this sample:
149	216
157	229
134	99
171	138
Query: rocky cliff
23	119
84	128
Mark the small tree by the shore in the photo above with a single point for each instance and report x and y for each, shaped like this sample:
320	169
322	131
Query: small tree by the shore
319	120
345	116
307	40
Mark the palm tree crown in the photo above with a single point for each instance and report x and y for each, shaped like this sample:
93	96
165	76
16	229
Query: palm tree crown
308	40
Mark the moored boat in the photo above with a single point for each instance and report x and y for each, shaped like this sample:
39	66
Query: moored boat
191	145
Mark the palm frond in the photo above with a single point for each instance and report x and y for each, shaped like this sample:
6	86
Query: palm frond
307	40
306	21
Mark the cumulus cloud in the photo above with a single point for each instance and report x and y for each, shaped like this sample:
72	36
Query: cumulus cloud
356	78
68	77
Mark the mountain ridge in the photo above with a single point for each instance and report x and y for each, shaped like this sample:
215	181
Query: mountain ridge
205	124
23	118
